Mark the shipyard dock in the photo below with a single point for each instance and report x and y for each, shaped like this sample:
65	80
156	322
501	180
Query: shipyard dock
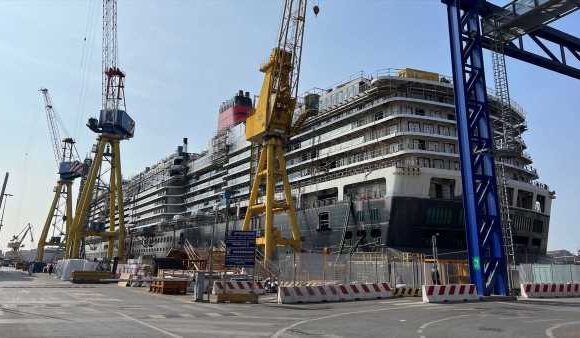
40	306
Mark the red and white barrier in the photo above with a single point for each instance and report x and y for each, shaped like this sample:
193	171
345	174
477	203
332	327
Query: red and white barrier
220	287
449	293
333	293
550	290
292	295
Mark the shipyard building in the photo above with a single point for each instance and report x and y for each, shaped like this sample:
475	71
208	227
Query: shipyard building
377	167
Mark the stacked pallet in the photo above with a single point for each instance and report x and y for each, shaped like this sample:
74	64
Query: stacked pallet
173	286
134	273
91	277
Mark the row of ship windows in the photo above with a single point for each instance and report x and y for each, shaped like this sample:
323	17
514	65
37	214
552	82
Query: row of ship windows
377	133
393	109
152	220
340	95
149	250
523	223
403	109
386	149
370	216
382	131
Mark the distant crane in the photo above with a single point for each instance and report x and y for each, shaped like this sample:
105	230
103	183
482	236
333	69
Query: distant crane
270	125
16	242
69	168
2	194
112	126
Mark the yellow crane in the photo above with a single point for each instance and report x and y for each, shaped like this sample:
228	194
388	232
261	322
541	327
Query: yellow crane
113	125
270	124
69	168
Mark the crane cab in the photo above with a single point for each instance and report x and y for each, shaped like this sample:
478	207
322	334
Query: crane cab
116	122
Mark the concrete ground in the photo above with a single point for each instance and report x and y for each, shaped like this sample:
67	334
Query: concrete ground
39	306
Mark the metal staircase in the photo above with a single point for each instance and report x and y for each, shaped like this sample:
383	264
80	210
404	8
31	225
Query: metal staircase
196	261
264	269
506	146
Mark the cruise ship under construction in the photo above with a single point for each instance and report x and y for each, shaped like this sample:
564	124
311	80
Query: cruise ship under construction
377	167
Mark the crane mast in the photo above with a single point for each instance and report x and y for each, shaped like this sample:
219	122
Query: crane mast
270	125
113	89
113	125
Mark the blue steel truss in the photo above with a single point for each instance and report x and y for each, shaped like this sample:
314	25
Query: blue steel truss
547	47
487	264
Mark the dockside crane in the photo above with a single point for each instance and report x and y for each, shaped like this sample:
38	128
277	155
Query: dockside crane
2	195
270	124
112	126
16	242
69	168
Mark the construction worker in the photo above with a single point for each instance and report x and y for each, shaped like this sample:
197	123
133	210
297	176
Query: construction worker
435	275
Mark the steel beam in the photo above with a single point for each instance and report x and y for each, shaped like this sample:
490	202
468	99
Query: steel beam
540	40
487	263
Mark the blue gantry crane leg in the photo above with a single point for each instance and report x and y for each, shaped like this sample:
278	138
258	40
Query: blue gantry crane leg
488	269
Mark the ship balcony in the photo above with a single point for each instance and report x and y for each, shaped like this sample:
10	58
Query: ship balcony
527	169
210	184
139	211
526	157
357	132
357	145
330	124
242	180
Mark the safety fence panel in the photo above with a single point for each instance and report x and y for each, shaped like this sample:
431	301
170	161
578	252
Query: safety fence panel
315	268
549	273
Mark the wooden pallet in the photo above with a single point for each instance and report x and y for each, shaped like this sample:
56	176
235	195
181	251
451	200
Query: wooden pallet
90	277
237	298
168	287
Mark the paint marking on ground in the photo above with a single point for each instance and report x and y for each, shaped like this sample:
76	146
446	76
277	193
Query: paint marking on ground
550	330
208	332
158	329
281	331
425	325
213	314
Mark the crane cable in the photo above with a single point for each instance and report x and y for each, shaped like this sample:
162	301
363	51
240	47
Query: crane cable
87	52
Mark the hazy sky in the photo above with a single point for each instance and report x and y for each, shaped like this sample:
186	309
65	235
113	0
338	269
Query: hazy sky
183	57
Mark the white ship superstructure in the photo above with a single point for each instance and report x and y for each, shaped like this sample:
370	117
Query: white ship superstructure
377	165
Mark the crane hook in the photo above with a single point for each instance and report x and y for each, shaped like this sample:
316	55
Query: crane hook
316	10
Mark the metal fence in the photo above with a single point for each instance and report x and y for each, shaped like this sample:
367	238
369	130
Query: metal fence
366	268
549	273
305	268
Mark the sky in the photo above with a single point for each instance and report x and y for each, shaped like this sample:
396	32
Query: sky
184	57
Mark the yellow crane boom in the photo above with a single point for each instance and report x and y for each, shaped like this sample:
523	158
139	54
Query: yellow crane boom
270	124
